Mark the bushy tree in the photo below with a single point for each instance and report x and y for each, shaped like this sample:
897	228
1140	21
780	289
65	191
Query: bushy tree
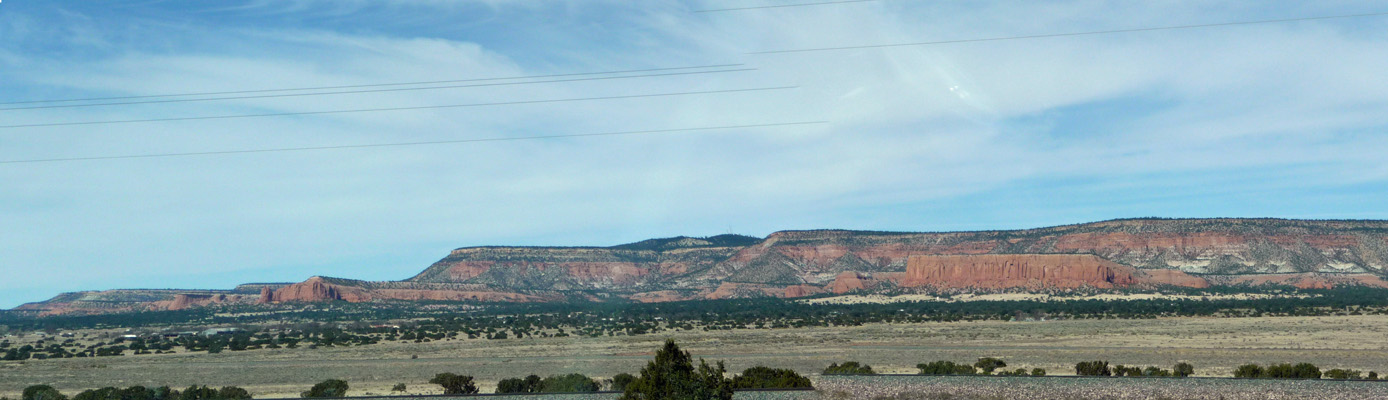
42	392
672	376
1182	370
198	393
851	367
989	364
236	393
568	383
513	385
1306	371
1017	372
1093	368
1155	371
106	393
770	378
1289	371
1248	371
328	388
620	381
1038	372
946	368
454	383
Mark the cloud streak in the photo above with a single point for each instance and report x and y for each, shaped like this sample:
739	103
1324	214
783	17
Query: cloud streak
1279	120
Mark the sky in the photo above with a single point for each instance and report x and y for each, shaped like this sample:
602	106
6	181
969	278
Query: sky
1263	120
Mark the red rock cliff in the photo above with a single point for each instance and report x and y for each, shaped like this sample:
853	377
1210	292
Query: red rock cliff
990	271
316	289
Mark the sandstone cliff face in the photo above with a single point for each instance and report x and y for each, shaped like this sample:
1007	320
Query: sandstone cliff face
1036	271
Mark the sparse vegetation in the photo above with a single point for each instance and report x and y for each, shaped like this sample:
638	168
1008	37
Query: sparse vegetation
770	378
850	367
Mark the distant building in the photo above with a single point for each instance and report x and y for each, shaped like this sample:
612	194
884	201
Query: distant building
219	331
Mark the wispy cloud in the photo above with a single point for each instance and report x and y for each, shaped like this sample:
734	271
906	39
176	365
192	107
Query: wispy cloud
932	137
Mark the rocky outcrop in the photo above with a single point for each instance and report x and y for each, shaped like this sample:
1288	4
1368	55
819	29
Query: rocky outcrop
185	301
318	289
850	281
267	296
1032	271
802	291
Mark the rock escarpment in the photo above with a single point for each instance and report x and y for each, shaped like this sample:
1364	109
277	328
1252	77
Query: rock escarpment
1109	254
1032	271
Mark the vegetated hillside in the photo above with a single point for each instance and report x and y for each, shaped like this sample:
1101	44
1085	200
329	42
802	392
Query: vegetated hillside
1145	253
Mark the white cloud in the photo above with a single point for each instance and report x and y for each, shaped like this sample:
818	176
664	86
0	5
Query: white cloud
909	126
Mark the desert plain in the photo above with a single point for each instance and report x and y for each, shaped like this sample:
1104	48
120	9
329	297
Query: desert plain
1215	346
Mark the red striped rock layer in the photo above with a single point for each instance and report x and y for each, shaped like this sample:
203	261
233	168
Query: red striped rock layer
1032	271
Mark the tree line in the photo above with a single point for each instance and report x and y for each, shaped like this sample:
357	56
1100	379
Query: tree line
672	374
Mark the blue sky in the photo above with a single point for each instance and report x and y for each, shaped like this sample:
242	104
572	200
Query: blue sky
1276	120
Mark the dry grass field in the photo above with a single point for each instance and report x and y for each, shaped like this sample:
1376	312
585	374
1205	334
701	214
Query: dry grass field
1214	345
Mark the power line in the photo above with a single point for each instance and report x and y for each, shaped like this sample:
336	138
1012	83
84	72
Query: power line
264	96
359	146
127	121
374	85
782	6
1055	35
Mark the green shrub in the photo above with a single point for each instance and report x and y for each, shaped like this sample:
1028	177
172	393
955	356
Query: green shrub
1344	374
851	367
1017	372
946	368
399	387
568	383
1038	372
454	383
672	375
770	378
1093	368
529	384
1182	370
236	393
328	388
42	392
1248	371
620	381
513	385
989	364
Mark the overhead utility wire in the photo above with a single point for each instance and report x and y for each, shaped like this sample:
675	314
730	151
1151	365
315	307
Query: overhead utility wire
374	85
265	96
636	96
782	6
359	146
1054	35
